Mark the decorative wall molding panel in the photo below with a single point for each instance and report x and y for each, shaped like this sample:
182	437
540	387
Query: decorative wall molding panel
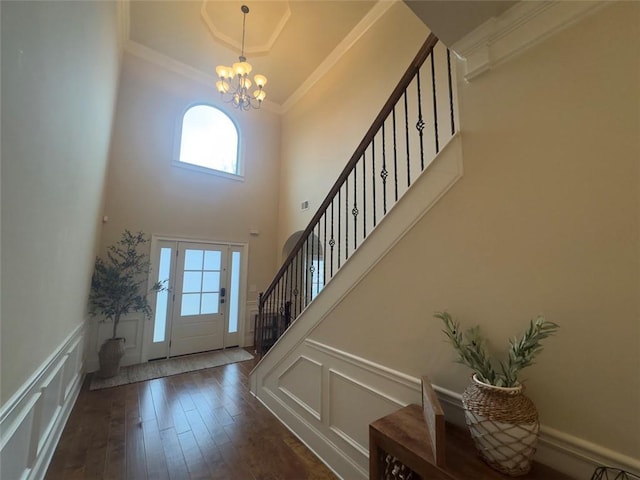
515	31
32	421
356	391
302	383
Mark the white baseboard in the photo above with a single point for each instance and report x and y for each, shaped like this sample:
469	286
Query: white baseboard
32	420
366	391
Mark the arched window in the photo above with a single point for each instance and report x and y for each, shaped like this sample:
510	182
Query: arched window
209	139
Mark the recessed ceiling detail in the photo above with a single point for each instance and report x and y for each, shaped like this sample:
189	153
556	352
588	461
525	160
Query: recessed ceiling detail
265	22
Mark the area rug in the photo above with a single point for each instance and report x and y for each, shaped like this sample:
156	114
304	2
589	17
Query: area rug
171	366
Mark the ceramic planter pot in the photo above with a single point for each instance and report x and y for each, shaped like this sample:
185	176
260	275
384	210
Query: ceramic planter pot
504	425
110	354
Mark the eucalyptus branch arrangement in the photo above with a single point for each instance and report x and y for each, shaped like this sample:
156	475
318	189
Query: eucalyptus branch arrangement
472	353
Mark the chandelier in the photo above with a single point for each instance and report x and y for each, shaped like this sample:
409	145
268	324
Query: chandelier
234	82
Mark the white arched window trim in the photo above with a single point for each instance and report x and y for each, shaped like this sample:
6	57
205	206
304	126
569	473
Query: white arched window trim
210	170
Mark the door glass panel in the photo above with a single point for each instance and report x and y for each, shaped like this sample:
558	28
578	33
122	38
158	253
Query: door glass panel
234	292
192	282
190	304
211	282
209	303
162	298
212	260
193	259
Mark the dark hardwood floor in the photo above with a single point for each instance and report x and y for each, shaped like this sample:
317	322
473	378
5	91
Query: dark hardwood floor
198	425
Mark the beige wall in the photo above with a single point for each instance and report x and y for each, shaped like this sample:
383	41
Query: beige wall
323	129
545	219
57	110
146	192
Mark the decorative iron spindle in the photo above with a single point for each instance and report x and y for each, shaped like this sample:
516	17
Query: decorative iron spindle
346	219
373	178
406	134
339	222
453	124
324	252
354	211
384	173
332	242
364	194
435	101
420	124
395	154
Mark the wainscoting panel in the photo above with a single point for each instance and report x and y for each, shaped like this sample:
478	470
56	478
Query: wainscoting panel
32	421
302	383
347	418
356	391
328	398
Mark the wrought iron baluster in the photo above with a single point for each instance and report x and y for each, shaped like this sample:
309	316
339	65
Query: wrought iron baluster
406	133
332	242
346	219
420	122
373	178
435	102
354	212
324	252
318	264
339	222
312	264
307	282
395	153
453	126
364	194
383	172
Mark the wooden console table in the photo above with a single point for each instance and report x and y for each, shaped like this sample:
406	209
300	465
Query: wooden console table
400	448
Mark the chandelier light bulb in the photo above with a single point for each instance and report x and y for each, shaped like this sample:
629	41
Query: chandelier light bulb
260	80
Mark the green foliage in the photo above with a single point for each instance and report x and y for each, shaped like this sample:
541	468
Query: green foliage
117	282
471	352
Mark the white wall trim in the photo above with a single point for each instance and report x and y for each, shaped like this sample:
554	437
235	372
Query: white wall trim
516	30
313	438
560	450
32	420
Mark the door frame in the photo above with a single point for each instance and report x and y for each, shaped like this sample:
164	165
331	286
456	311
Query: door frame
147	335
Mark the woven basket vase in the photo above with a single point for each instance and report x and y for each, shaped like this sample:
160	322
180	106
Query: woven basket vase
504	425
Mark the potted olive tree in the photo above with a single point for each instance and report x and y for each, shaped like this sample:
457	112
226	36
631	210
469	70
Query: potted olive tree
117	289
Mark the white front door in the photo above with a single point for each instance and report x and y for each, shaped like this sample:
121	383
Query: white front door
200	296
202	309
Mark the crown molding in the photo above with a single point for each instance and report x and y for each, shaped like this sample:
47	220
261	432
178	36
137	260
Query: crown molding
377	11
516	30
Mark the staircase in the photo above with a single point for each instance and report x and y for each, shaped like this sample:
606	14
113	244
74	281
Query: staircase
409	157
